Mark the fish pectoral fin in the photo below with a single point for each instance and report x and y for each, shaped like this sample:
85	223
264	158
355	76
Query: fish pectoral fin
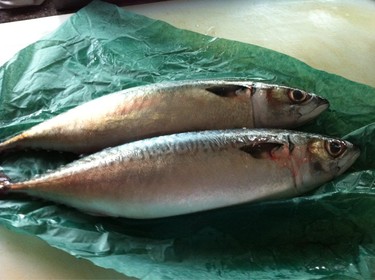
260	150
228	90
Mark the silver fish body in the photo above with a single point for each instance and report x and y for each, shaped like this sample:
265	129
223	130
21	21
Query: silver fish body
194	171
167	108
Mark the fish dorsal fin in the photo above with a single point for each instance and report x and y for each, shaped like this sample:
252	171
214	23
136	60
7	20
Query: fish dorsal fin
227	90
261	149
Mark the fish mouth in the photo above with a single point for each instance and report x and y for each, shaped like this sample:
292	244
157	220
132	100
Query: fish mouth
322	104
354	154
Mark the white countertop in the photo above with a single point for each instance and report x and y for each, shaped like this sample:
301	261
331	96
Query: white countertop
335	36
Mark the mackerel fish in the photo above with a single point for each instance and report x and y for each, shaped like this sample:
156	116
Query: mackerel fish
193	171
167	108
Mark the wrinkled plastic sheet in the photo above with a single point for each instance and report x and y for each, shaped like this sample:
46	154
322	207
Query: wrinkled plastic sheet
327	234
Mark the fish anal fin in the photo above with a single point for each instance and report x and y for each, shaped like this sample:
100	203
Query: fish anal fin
260	150
229	90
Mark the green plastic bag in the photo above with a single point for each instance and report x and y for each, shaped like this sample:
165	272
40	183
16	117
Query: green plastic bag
327	234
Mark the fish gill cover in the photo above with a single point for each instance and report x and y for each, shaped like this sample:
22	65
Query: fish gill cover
328	234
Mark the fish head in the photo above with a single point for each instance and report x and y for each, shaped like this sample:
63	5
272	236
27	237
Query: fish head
317	159
283	107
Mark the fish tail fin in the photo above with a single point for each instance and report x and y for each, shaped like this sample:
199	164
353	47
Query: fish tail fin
6	145
5	183
3	146
11	143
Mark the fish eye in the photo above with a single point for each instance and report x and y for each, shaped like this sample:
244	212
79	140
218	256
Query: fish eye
298	96
335	147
